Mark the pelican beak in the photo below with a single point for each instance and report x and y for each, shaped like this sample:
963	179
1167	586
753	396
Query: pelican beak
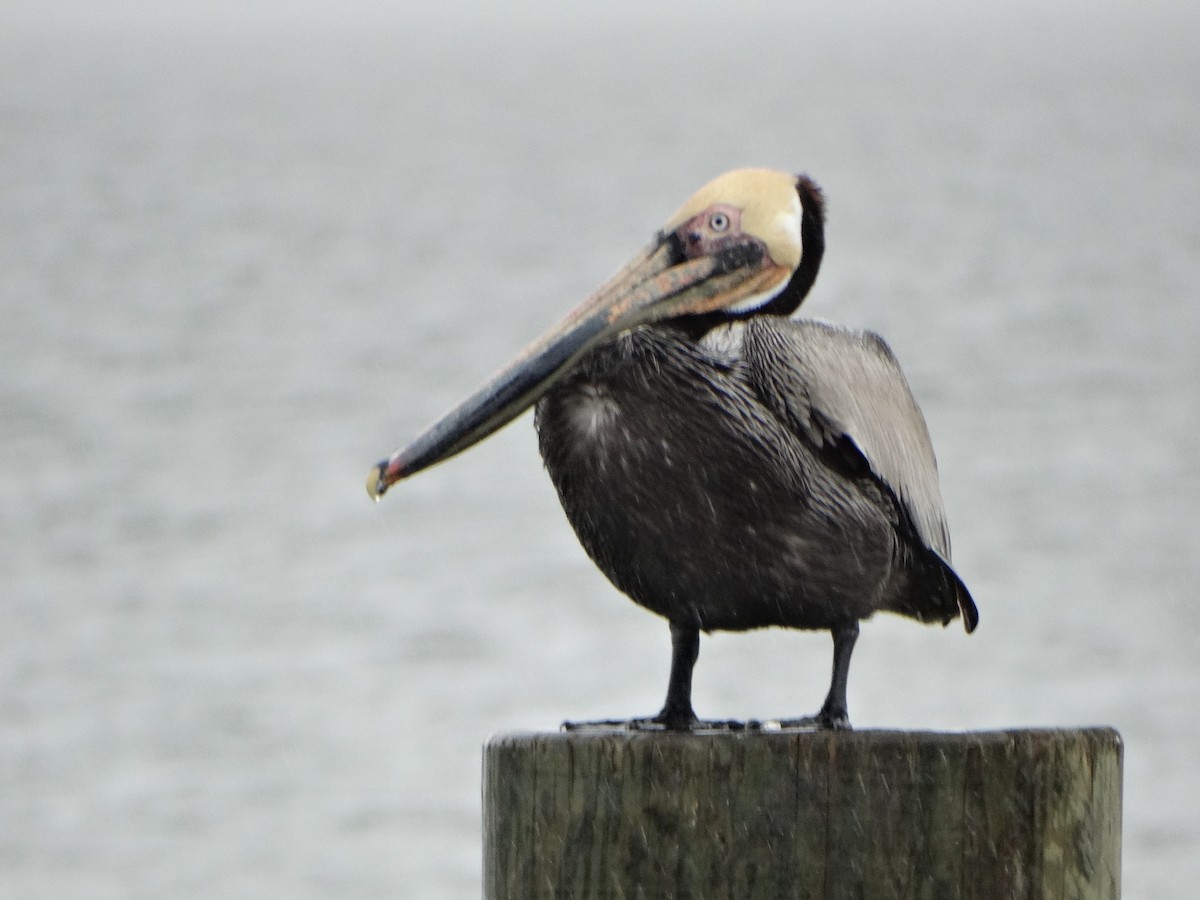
676	275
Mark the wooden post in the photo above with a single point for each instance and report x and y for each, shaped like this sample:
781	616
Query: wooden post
1003	815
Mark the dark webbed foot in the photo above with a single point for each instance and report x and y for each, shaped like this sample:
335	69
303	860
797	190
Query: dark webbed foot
699	726
671	718
677	716
640	724
824	721
659	723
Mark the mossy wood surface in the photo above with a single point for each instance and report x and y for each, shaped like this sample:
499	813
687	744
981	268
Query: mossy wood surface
865	814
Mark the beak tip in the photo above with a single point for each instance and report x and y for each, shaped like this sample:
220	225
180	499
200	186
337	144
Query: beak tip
377	483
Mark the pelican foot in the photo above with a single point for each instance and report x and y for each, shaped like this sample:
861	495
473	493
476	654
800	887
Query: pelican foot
659	723
642	724
820	722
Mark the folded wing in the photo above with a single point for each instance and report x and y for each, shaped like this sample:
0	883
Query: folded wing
844	391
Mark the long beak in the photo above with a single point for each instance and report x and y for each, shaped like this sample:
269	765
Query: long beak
656	285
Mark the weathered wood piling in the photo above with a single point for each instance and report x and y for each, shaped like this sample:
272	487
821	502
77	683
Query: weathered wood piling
1004	815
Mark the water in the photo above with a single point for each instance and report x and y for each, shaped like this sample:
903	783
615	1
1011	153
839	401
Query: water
246	253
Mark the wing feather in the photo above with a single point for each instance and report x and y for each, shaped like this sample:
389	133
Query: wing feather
844	390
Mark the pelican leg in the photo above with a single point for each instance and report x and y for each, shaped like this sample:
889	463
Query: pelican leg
834	714
677	713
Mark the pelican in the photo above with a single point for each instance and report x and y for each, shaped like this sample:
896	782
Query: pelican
726	466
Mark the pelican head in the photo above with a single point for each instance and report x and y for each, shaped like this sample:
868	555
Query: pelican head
747	243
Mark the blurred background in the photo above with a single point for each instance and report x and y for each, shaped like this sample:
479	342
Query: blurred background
248	249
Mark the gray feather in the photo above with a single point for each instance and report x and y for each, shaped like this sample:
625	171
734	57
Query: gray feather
835	385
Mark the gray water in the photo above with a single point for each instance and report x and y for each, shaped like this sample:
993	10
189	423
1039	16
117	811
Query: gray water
245	253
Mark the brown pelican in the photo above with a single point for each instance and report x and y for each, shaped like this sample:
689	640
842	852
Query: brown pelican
724	465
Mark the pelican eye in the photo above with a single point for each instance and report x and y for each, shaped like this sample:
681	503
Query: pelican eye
718	221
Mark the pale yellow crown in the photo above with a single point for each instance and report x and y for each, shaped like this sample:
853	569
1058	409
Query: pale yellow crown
770	209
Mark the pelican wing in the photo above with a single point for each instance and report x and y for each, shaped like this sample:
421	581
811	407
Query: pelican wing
843	390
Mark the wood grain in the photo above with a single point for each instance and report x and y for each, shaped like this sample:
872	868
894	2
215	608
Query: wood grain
798	814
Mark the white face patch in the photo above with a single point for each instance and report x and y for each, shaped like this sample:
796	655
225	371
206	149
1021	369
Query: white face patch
752	302
788	221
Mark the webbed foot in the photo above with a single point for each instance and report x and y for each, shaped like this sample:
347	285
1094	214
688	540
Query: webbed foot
828	719
659	723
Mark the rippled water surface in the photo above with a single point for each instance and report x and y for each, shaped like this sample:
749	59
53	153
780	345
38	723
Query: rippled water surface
244	254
